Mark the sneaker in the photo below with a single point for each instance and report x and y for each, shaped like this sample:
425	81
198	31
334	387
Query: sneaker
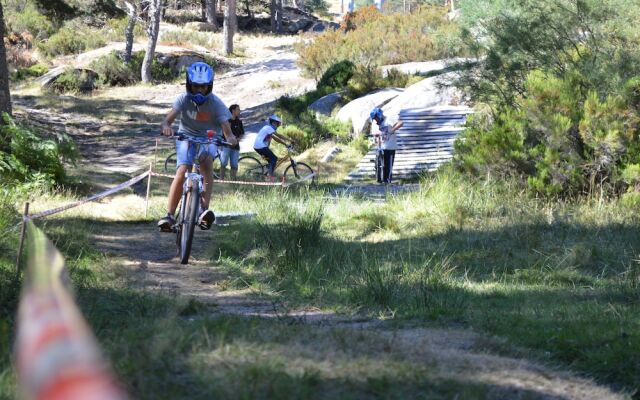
166	224
206	219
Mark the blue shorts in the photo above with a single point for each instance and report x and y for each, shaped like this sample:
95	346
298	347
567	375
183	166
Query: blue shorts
229	154
186	152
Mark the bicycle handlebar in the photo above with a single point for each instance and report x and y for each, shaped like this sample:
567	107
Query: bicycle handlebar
202	140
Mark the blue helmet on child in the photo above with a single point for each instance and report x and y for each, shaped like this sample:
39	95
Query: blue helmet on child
274	119
199	73
376	114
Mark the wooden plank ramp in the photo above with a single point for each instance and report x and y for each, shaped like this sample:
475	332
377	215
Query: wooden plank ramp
425	142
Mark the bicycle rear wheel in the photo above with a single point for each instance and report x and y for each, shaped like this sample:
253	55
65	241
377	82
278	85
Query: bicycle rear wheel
299	172
185	234
250	169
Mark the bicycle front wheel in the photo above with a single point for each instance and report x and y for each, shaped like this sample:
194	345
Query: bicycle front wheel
192	202
250	169
379	166
299	172
170	163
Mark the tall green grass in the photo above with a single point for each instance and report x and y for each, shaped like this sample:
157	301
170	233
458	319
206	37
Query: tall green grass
557	279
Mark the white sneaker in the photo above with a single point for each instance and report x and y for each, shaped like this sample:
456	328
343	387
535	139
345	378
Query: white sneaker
206	219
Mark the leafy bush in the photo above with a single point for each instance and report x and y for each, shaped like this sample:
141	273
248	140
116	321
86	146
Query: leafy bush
112	70
319	7
31	72
70	41
190	38
33	158
369	39
114	29
561	144
73	81
592	38
337	76
29	19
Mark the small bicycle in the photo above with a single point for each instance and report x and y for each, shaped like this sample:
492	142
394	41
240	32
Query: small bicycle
378	162
187	215
296	171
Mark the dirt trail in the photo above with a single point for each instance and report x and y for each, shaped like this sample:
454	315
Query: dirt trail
148	257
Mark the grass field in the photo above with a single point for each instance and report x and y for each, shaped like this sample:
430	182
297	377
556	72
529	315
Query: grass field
545	280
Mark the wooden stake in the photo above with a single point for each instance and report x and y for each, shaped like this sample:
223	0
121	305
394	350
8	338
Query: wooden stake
22	234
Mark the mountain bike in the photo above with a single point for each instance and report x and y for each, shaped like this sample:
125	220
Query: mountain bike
247	166
187	215
378	162
170	164
296	171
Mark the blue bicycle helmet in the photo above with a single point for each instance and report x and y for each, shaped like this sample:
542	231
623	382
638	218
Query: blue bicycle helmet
199	73
376	114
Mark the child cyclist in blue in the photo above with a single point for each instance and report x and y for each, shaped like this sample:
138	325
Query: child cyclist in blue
386	136
263	141
199	110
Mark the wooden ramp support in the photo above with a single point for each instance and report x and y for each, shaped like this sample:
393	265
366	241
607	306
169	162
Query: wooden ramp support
424	142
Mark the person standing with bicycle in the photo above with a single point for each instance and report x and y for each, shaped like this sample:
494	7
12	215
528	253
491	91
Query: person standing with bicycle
387	140
199	111
263	141
232	154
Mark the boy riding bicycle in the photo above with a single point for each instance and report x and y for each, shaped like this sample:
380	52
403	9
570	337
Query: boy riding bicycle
199	110
263	141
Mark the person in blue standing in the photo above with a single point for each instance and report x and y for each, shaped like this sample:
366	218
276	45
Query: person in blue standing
386	137
199	111
231	154
263	141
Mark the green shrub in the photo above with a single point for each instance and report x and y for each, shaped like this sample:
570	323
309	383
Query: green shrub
337	129
379	39
189	38
337	76
31	20
562	143
70	41
115	28
302	139
31	72
33	158
112	70
73	81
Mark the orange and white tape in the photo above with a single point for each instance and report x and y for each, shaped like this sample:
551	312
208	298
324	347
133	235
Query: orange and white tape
252	183
57	355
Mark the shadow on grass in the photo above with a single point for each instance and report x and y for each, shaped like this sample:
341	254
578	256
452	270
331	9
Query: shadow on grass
567	293
166	354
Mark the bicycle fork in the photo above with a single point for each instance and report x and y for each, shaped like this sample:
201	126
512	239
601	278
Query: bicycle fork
191	180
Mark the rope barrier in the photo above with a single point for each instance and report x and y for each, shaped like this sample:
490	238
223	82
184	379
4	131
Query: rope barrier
253	183
57	355
306	178
100	195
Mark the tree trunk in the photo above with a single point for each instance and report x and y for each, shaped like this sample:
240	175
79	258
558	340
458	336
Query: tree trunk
211	14
132	10
279	18
247	10
229	25
153	31
203	10
272	11
5	96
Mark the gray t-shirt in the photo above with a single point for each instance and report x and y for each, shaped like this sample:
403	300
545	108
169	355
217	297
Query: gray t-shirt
196	120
